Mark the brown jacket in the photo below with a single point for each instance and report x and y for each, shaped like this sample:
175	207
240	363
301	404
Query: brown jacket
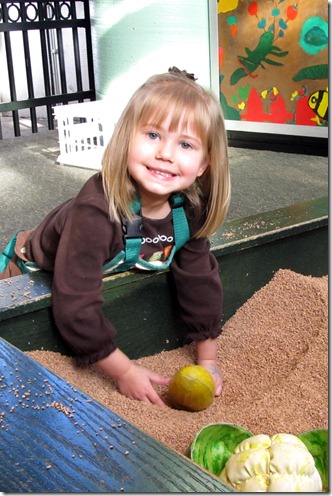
77	238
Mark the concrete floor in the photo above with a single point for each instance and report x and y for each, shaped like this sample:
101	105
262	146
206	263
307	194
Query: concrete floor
32	182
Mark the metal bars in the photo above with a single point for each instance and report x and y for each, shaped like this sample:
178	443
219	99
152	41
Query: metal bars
38	72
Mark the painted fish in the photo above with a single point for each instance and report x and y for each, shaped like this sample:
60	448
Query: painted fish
319	103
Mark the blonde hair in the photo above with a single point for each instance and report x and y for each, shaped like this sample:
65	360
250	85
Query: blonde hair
178	93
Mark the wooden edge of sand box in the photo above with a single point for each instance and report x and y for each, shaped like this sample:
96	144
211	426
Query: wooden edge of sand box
274	356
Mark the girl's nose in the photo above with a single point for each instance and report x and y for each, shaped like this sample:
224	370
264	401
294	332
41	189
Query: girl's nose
165	152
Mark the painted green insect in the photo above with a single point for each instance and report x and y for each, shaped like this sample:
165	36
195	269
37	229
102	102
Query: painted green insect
256	58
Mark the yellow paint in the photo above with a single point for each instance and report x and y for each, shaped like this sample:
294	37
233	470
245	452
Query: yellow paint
273	90
241	105
294	96
316	119
227	5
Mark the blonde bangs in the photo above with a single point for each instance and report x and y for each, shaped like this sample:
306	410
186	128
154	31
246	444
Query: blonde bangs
183	106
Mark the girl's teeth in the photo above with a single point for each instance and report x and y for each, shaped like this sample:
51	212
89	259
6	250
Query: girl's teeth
163	174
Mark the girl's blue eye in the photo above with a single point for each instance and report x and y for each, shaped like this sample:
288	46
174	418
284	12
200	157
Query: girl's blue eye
152	135
186	145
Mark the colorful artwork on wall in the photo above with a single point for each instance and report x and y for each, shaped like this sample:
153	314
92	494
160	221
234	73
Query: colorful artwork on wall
273	61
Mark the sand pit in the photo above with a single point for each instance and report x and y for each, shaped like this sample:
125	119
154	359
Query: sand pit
274	356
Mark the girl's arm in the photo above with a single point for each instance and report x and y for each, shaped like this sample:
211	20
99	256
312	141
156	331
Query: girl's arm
199	291
133	381
207	358
200	296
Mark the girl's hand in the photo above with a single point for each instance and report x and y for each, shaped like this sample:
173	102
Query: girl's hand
136	383
211	366
132	380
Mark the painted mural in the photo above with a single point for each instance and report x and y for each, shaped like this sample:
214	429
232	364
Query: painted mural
273	61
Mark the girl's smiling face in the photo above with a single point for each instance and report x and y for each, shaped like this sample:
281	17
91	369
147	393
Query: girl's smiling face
163	160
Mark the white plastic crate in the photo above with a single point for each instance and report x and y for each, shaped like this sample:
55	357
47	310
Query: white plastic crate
84	131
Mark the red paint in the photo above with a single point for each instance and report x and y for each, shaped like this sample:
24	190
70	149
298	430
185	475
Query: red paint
233	29
277	114
253	8
221	56
303	113
253	108
250	74
291	12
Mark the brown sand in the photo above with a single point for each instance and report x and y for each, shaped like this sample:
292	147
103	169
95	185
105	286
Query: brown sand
274	357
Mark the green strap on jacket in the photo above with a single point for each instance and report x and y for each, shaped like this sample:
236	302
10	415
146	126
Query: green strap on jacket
130	256
9	252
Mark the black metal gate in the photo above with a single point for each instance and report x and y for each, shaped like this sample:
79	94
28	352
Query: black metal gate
45	44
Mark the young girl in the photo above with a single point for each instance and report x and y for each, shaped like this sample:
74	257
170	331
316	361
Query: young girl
163	189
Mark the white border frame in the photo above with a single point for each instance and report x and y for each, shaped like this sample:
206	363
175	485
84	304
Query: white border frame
213	39
281	129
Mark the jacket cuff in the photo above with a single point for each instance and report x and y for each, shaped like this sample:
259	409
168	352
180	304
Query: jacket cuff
85	360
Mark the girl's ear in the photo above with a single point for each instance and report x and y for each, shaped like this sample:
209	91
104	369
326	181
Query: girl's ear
203	168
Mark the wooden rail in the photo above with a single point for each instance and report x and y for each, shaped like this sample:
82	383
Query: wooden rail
56	439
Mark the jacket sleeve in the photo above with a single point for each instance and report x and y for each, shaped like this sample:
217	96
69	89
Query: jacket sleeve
77	297
199	291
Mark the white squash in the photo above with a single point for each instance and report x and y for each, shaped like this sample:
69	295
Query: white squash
281	463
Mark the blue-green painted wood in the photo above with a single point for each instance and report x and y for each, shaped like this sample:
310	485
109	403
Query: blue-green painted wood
54	438
269	226
22	294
